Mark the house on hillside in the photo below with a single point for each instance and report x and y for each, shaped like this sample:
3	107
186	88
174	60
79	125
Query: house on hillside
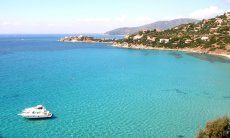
80	36
158	30
188	41
197	28
144	31
227	14
213	30
175	43
219	21
136	37
184	29
205	38
151	38
165	41
126	36
205	21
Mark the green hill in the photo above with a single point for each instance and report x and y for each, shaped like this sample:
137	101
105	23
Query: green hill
207	35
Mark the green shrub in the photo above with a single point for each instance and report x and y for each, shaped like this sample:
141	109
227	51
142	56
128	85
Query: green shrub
212	49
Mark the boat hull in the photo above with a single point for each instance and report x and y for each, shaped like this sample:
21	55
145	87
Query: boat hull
35	116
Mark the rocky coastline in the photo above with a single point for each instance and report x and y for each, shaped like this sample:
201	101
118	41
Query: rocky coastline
86	39
112	42
198	50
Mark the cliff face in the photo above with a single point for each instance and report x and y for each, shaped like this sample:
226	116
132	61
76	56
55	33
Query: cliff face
210	35
161	25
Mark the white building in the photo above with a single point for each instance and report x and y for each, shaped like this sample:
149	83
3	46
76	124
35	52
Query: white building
137	37
164	41
227	14
126	36
188	41
213	30
176	28
80	36
151	38
205	38
219	21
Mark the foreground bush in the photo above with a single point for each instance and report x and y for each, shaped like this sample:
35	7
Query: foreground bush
218	128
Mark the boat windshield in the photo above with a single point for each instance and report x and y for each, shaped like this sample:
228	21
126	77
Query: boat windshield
40	107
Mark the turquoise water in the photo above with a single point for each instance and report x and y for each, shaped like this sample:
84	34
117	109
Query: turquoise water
95	90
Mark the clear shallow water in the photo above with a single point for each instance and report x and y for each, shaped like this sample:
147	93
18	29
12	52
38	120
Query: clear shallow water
99	91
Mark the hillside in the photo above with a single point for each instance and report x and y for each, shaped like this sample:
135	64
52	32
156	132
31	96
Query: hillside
207	36
161	25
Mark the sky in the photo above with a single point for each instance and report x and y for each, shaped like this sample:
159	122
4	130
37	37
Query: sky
98	16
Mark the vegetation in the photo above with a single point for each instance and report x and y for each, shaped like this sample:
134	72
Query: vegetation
212	34
218	128
85	39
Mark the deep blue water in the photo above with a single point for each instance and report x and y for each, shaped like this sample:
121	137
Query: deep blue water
95	90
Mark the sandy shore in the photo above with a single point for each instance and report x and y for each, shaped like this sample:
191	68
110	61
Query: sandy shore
188	50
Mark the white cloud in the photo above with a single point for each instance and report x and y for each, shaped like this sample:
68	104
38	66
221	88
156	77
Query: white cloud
99	24
143	20
206	12
7	23
120	18
228	1
168	18
119	21
91	20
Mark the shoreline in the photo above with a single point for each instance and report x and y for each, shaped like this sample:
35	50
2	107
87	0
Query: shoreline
187	50
85	42
85	39
143	47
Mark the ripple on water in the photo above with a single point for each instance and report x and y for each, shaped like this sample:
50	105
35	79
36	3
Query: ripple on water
226	97
175	90
177	55
5	53
109	92
10	97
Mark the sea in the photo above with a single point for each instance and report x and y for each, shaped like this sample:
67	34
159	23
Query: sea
95	90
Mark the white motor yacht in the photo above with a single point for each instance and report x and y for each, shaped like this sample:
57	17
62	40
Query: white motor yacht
36	112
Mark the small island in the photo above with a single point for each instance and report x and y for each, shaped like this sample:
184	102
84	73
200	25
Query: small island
86	39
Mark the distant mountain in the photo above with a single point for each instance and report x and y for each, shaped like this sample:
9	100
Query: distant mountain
162	25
